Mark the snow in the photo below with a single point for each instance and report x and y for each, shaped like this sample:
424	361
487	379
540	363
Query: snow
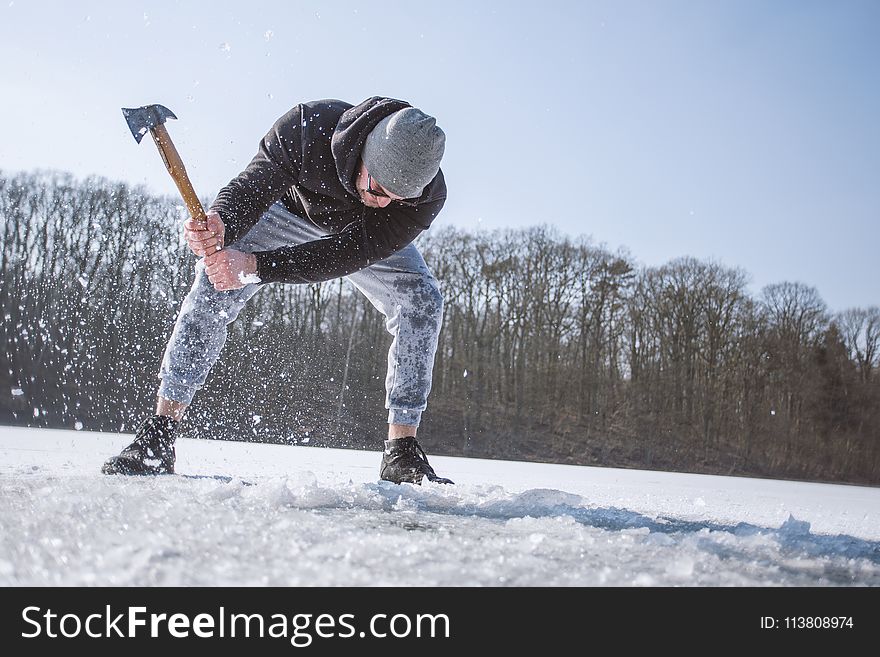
295	515
248	278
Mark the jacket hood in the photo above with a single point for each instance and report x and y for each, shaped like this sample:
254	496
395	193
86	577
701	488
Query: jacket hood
351	132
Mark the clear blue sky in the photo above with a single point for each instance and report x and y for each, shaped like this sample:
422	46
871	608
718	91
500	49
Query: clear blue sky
745	132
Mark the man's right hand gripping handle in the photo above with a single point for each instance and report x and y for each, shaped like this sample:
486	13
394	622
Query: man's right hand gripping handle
204	238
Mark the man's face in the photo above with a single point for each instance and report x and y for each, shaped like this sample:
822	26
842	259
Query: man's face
372	194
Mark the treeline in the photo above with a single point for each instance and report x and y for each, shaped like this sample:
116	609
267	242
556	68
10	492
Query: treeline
552	348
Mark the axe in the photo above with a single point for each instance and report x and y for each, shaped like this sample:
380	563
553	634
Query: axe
152	118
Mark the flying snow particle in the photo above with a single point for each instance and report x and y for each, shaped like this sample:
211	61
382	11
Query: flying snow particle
225	47
465	373
257	323
268	34
16	392
257	419
78	425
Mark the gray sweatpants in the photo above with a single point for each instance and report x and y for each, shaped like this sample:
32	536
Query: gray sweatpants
401	287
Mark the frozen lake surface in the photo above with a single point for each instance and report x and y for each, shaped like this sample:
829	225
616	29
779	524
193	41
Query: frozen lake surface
303	516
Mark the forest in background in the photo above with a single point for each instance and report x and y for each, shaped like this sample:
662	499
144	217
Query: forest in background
553	348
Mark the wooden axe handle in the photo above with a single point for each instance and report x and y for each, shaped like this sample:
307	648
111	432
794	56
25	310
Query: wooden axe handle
175	167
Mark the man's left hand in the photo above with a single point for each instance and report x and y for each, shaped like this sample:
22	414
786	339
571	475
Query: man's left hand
226	268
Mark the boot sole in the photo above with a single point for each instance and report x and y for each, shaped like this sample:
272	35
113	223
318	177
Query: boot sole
117	466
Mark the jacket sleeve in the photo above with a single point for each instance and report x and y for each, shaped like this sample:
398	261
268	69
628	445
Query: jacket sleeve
272	171
376	235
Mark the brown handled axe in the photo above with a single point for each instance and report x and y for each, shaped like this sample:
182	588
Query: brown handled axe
152	118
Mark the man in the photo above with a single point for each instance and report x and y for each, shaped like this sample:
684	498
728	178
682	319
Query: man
334	190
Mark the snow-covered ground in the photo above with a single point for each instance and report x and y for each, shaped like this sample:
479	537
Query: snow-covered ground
313	516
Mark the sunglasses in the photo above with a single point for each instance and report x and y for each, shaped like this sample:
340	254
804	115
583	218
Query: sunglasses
380	194
375	192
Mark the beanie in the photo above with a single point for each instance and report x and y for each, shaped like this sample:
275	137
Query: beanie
403	152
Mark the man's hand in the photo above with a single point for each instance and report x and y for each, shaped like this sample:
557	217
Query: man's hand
204	238
227	268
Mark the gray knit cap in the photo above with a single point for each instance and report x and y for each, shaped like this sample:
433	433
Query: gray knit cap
403	152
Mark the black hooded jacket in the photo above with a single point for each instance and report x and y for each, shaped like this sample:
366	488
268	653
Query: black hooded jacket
309	161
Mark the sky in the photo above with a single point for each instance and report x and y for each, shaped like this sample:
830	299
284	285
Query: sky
737	131
309	516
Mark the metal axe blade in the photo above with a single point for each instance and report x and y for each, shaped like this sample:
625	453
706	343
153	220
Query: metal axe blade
142	119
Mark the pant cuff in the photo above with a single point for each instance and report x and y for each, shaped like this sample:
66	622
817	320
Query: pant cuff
403	416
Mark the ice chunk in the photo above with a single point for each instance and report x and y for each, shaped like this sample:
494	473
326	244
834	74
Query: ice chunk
247	279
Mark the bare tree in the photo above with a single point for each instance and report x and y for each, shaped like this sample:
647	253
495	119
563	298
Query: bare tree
860	329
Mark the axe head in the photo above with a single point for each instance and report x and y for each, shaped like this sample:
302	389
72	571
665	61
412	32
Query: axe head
143	119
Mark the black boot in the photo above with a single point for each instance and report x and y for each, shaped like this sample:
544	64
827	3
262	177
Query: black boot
404	460
151	453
